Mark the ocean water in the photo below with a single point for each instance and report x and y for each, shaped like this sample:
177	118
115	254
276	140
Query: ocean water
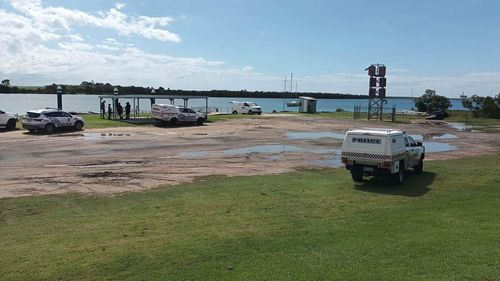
21	103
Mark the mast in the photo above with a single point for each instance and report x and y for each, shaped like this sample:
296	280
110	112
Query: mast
284	94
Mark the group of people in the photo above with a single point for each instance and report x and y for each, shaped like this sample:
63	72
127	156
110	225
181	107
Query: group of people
119	110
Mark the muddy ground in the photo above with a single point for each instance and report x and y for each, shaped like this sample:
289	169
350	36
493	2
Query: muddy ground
117	160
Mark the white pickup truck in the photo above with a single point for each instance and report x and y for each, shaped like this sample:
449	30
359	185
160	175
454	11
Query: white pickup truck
377	152
8	120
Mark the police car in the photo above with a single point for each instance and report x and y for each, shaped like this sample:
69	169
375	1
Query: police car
48	120
377	152
175	114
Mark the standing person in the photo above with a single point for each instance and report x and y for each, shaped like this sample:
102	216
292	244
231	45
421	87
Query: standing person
103	109
120	110
127	110
109	111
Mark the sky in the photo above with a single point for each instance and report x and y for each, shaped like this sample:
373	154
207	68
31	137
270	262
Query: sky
450	46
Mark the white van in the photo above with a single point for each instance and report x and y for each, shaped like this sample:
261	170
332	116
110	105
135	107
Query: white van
246	107
375	152
175	114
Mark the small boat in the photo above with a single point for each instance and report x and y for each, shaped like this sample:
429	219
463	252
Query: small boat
293	103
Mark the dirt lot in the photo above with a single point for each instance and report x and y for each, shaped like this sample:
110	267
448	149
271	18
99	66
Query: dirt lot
111	161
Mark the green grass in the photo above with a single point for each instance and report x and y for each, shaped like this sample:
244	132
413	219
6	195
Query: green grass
463	116
304	225
94	121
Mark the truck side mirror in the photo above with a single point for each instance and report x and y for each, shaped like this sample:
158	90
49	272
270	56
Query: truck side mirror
419	143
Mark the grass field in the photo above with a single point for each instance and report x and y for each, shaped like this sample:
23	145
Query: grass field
304	225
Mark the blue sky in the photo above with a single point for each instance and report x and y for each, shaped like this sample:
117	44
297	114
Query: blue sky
450	46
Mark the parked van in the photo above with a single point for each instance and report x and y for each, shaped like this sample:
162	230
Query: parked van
246	107
175	114
377	152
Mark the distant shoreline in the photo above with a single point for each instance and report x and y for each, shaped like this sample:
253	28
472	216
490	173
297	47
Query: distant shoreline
214	96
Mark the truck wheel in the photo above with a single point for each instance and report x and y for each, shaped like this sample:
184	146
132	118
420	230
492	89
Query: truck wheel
250	112
357	175
259	113
399	177
235	112
11	124
419	168
78	125
199	122
173	121
50	128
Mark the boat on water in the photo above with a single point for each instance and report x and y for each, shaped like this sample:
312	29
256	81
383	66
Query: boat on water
293	103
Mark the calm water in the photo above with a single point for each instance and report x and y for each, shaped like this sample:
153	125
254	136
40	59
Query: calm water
21	103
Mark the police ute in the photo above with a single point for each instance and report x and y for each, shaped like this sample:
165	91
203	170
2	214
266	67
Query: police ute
176	114
48	120
381	152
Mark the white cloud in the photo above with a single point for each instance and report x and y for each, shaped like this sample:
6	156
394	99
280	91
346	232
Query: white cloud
119	5
39	46
53	19
247	68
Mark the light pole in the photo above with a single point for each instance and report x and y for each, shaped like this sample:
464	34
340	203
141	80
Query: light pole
59	97
115	101
153	100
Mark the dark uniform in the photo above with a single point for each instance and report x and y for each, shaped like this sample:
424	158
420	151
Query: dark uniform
127	110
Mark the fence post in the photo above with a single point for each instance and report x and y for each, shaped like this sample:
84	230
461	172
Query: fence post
393	113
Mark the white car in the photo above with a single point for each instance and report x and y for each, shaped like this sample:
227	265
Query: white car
376	152
246	107
8	120
176	114
49	120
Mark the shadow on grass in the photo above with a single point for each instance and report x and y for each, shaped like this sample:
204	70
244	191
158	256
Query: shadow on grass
414	185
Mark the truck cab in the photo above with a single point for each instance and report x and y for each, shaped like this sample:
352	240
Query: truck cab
8	120
381	152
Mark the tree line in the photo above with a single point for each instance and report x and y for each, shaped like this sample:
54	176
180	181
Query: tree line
91	88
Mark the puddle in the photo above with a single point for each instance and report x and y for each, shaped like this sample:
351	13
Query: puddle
314	135
262	149
438	147
99	136
433	136
330	163
463	128
270	148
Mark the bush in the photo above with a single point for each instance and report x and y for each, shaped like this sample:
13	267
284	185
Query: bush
483	106
430	102
339	109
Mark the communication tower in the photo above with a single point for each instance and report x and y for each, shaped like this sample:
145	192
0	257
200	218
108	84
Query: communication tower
377	91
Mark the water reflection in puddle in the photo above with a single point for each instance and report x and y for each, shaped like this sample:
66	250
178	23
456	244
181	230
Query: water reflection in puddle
462	127
432	146
99	136
314	135
330	162
432	136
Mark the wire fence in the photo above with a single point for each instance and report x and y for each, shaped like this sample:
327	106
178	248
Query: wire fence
361	112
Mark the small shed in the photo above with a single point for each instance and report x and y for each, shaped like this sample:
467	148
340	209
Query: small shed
307	105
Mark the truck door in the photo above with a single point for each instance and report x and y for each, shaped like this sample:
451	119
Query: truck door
412	150
3	119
